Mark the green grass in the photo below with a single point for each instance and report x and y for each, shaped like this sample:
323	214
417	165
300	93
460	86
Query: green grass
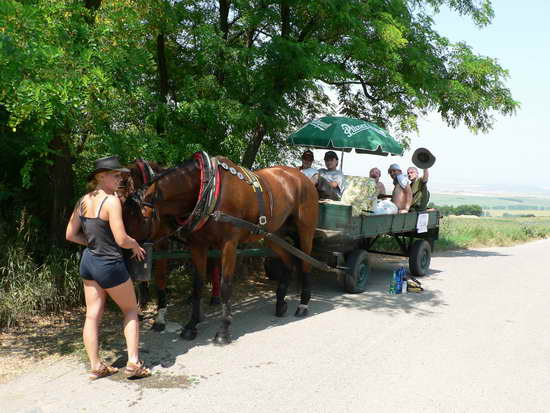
456	232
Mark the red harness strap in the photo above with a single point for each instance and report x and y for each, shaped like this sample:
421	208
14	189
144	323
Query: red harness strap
141	166
206	173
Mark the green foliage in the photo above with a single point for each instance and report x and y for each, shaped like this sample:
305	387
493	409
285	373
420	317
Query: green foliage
34	285
458	210
160	79
456	232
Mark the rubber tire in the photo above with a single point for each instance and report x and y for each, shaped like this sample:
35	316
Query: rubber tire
355	280
420	257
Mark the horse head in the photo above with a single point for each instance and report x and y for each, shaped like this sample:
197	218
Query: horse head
137	220
149	210
174	192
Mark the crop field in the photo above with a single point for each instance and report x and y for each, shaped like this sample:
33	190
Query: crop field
518	212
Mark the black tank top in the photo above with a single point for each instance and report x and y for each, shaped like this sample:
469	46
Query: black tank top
100	238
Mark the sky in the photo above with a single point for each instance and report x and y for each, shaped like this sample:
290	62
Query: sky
517	150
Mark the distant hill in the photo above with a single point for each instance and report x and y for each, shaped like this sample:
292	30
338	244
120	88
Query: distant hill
487	201
490	189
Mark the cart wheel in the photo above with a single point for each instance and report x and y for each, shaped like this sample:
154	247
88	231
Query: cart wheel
420	257
355	280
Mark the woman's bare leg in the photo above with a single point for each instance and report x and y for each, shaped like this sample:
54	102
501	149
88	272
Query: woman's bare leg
95	304
124	296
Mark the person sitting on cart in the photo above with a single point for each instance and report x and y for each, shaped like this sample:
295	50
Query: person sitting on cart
375	174
331	182
306	167
402	192
420	193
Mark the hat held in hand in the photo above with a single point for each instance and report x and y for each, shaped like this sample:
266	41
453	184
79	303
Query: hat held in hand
423	158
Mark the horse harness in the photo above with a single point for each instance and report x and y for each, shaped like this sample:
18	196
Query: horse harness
255	183
210	188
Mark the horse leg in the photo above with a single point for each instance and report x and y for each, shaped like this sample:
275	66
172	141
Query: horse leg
199	257
306	231
305	294
161	276
229	258
143	294
215	274
283	278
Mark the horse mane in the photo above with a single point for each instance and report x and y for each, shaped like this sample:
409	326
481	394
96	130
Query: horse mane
185	164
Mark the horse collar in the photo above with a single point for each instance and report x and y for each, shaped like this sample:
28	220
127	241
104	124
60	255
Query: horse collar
147	173
208	193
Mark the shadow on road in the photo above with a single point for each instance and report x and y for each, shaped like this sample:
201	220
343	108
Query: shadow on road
469	253
253	314
257	313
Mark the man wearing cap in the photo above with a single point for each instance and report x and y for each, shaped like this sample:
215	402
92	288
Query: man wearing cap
307	169
331	180
420	193
402	192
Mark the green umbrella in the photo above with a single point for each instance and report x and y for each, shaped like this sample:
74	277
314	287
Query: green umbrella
344	134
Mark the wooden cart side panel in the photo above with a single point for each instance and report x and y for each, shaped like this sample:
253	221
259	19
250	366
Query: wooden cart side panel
372	225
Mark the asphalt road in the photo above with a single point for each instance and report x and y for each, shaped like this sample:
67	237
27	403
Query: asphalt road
476	340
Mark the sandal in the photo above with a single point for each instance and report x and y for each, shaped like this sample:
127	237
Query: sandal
102	371
136	370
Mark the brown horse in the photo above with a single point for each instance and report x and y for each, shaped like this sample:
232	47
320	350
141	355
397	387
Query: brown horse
141	175
184	199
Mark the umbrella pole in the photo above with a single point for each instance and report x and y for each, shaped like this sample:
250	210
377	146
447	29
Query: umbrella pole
342	163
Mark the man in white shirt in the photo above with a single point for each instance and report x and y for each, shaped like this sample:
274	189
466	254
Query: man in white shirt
402	192
331	183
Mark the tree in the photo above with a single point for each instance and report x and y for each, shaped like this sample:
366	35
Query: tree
64	79
161	79
383	59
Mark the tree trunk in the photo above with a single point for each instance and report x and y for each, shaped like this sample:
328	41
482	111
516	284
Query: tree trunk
253	147
60	189
163	84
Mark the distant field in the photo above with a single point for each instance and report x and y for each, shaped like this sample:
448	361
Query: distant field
501	212
500	205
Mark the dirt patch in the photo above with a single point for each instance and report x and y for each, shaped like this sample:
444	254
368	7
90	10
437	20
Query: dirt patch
42	340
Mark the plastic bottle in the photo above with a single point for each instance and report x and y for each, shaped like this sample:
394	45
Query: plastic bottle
400	279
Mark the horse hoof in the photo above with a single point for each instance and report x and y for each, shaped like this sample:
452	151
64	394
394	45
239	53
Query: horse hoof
301	312
158	326
280	310
189	334
222	339
215	300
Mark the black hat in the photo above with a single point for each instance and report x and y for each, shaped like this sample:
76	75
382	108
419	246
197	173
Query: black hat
109	163
308	155
423	158
331	155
